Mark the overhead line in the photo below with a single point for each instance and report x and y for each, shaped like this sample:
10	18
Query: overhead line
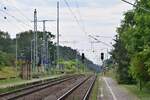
74	16
18	20
76	19
20	28
99	41
103	36
79	13
22	14
148	10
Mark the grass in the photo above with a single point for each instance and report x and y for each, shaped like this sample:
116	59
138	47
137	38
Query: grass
8	76
4	90
7	72
143	95
10	81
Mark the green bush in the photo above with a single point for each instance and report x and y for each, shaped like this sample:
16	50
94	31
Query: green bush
6	59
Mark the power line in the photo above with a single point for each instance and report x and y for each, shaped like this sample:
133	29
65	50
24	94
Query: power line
99	41
18	20
9	22
103	36
20	28
75	17
81	19
21	13
79	13
147	10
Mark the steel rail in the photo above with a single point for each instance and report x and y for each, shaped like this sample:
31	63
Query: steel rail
86	97
32	85
37	87
76	86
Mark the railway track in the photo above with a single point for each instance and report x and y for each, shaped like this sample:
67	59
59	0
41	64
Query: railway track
30	85
35	87
66	88
81	91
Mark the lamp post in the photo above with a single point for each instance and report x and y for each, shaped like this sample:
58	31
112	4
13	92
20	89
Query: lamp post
57	46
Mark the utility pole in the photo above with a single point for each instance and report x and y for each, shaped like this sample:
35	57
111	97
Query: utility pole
58	34
45	53
35	40
44	57
32	41
16	51
32	54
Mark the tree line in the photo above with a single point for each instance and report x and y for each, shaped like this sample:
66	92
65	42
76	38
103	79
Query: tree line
8	49
131	54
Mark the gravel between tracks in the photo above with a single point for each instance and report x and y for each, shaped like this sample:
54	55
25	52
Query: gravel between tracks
53	92
79	93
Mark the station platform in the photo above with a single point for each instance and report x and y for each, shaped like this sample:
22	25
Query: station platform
23	82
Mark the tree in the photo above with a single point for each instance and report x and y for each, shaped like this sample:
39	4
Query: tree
6	59
8	49
134	39
6	43
121	59
140	66
24	42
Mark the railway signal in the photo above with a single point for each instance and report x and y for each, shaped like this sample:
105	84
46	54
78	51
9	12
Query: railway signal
83	57
102	56
83	60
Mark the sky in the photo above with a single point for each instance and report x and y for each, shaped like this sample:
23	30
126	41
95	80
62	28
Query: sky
98	18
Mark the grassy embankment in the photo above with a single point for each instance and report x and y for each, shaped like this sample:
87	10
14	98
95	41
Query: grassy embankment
9	76
7	72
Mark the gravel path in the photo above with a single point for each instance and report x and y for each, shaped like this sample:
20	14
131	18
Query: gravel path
110	90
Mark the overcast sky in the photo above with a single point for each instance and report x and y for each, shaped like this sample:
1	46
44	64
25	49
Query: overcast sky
96	18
